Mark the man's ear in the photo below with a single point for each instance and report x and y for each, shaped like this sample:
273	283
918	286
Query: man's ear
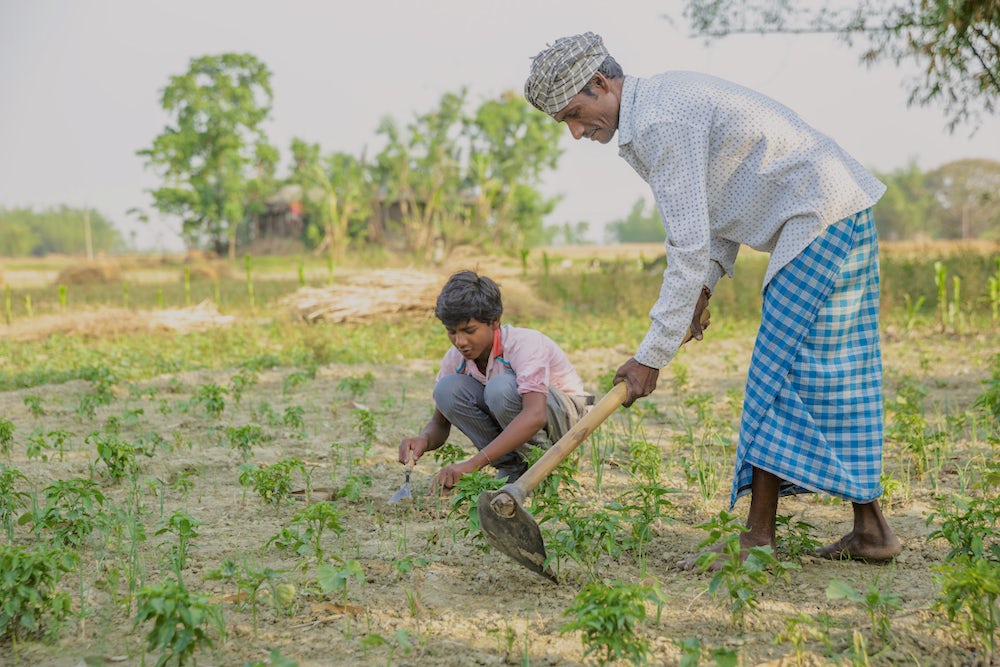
600	81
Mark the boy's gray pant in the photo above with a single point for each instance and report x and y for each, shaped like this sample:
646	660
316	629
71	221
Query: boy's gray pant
481	412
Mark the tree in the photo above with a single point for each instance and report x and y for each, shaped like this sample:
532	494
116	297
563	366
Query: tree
968	192
638	226
24	231
468	179
338	195
215	160
955	44
908	208
511	146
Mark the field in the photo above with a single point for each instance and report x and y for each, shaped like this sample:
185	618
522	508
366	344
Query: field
208	484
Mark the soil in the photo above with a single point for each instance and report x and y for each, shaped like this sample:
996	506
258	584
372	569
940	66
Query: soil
456	605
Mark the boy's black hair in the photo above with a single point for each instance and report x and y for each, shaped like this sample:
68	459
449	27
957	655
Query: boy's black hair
468	296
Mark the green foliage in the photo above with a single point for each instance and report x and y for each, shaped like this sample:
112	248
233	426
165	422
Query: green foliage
609	616
989	401
969	595
878	604
211	396
215	161
7	429
26	232
116	454
638	227
185	528
448	453
181	622
30	601
272	483
334	578
73	509
12	499
971	526
464	506
356	385
304	535
243	438
740	573
794	536
955	44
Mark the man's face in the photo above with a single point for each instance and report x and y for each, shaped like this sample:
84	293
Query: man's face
593	116
474	339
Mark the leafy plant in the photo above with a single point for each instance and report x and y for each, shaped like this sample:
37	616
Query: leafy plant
739	573
243	438
30	599
609	617
11	498
794	536
212	398
878	604
181	621
333	578
73	510
969	595
447	454
34	405
7	429
464	504
272	483
185	528
356	385
116	454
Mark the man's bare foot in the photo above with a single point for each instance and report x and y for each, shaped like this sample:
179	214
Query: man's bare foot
858	546
747	542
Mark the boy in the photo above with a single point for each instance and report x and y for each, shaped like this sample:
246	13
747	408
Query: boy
506	388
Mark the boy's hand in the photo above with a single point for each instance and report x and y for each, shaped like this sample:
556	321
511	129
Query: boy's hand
411	449
449	475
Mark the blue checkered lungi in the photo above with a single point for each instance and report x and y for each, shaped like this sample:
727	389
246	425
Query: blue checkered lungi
812	414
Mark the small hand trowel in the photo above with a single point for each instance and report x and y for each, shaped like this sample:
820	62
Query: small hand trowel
404	491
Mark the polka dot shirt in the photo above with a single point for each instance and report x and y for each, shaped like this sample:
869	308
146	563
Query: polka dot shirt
728	167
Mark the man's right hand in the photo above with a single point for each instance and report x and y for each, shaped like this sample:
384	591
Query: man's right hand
639	379
411	449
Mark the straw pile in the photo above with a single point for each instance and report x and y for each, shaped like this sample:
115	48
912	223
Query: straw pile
367	296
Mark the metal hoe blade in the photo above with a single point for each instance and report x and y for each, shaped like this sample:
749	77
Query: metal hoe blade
509	528
404	491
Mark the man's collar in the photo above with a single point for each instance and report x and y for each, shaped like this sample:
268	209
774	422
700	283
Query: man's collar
625	128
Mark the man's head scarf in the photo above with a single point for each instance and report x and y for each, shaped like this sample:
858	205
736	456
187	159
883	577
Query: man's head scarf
562	70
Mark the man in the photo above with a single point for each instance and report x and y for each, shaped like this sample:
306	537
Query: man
730	167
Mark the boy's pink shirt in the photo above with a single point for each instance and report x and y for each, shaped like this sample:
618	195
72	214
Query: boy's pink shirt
538	363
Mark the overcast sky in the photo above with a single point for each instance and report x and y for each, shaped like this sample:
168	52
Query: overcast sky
80	85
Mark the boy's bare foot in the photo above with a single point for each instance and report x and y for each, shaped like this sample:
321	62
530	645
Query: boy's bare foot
747	542
859	546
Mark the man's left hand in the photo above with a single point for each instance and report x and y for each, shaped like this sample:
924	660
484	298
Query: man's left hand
449	475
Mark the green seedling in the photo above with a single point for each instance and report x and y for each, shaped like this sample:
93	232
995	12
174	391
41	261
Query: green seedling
244	438
366	428
12	500
7	429
304	535
464	505
117	455
34	405
447	454
399	640
969	596
353	487
794	537
73	509
185	528
249	581
587	536
181	620
609	617
971	526
878	604
356	385
37	446
241	382
212	398
293	418
740	573
334	578
274	659
272	483
988	403
32	601
297	379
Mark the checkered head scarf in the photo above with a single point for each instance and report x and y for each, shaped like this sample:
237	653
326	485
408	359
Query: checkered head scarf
562	70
